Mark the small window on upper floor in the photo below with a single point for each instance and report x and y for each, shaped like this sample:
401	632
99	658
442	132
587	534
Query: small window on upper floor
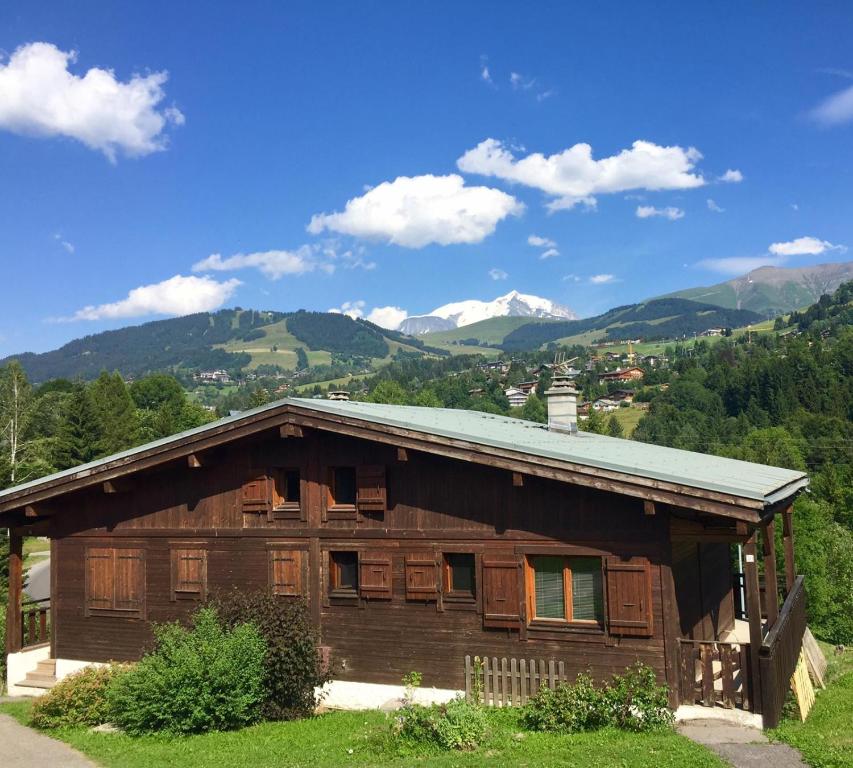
342	487
343	573
459	576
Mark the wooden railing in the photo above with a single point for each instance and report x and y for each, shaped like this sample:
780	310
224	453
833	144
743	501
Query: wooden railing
779	653
506	683
35	623
715	673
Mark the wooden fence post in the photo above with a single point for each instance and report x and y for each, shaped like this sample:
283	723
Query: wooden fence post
753	601
14	628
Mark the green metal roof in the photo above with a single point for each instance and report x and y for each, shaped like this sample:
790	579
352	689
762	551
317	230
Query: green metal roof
730	476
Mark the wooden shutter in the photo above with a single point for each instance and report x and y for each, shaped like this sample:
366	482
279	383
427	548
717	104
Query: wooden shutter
256	494
370	484
374	575
189	574
421	576
501	596
100	586
286	572
129	580
629	597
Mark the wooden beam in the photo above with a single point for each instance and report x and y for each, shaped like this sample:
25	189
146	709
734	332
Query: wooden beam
16	588
753	608
290	430
788	543
193	461
649	508
771	585
118	485
517	479
402	454
31	511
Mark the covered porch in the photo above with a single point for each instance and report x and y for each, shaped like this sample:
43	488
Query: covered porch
741	628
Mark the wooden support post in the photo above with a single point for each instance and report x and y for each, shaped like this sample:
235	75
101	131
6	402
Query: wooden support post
194	461
402	454
788	541
753	603
290	430
771	585
649	508
16	589
118	485
517	479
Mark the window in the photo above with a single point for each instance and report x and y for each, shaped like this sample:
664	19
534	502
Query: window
285	572
342	487
286	494
459	580
189	574
115	582
343	573
565	589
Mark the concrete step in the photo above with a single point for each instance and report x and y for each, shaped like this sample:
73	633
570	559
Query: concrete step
38	681
46	667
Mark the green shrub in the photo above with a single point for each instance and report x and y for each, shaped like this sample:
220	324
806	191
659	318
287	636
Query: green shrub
79	699
206	678
293	667
637	701
632	701
455	725
569	708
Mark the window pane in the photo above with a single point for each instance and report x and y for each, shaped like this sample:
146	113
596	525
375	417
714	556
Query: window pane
344	485
461	567
346	565
291	485
548	583
587	600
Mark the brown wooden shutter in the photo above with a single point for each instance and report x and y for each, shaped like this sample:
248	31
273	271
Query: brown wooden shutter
501	597
374	575
256	494
370	494
421	576
129	580
286	572
189	574
629	597
100	586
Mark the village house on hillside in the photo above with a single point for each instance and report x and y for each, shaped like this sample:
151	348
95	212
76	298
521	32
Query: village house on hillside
419	536
622	374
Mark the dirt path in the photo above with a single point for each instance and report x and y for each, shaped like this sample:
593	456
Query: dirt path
740	745
23	747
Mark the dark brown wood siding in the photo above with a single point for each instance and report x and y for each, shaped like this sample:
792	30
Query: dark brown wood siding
420	508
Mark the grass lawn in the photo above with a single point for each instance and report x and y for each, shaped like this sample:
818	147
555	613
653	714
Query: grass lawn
628	418
34	544
362	739
826	738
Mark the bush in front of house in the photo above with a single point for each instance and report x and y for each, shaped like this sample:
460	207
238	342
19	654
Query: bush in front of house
205	678
293	667
79	699
631	701
454	725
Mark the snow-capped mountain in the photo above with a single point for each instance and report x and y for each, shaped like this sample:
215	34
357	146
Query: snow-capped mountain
459	313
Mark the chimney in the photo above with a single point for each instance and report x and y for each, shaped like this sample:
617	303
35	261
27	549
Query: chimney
338	394
562	400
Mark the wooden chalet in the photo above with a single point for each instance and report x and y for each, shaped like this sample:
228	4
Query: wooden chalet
420	536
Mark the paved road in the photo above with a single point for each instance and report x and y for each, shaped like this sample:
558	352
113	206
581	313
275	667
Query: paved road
25	748
38	580
741	746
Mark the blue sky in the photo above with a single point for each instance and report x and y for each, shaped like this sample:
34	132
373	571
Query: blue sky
321	155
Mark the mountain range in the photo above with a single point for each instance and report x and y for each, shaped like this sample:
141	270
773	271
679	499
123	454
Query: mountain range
461	313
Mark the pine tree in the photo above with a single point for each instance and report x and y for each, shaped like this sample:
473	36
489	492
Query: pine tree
117	414
80	434
614	427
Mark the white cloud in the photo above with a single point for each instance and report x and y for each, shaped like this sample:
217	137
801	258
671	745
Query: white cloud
573	278
68	246
601	279
573	176
804	246
414	211
732	176
835	109
273	264
648	211
541	242
795	207
549	254
353	309
485	74
519	81
387	317
497	274
712	206
179	295
40	97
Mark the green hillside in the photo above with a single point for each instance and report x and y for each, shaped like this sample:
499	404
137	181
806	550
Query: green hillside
486	332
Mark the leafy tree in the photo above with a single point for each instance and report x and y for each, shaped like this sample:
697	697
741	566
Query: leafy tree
152	392
116	410
388	392
80	434
595	422
534	409
301	359
427	398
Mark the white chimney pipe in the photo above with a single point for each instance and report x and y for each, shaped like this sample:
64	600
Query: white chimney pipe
562	400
